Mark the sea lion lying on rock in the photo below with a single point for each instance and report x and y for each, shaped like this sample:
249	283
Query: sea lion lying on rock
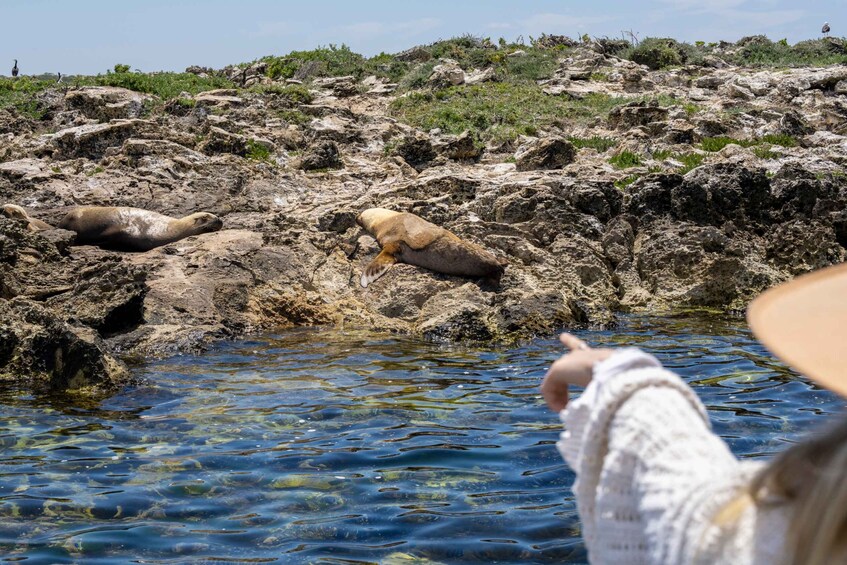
134	229
407	238
15	211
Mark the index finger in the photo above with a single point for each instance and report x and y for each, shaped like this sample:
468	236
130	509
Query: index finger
572	342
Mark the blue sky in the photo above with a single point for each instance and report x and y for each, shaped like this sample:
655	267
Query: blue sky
90	36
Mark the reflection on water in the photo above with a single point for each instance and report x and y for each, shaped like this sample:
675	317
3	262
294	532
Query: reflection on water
346	447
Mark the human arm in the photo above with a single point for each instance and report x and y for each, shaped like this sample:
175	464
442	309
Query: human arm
650	473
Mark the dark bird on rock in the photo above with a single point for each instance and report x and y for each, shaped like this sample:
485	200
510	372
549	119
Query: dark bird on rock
15	69
825	28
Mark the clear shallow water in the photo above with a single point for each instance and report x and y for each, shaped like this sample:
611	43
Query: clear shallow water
322	446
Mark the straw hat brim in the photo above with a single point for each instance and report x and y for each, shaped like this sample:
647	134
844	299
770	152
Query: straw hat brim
804	323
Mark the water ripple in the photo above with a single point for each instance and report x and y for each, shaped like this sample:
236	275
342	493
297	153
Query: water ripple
328	446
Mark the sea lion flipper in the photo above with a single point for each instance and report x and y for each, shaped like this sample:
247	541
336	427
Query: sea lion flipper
380	265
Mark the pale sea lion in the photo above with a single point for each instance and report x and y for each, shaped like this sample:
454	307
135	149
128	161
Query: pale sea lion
134	229
15	211
407	238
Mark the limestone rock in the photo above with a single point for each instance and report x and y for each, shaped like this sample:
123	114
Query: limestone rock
448	73
107	102
547	153
38	348
221	141
321	155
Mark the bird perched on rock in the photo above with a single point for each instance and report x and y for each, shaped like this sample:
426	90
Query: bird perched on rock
15	69
825	28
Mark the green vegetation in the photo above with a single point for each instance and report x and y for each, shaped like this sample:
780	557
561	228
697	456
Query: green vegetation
754	51
626	181
294	94
323	61
538	61
689	161
662	52
257	151
20	95
294	117
718	143
625	160
759	51
765	152
601	144
498	111
163	85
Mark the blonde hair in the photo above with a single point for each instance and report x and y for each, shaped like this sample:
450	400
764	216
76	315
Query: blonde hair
811	476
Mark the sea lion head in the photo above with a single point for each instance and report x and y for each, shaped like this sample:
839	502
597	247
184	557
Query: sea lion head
370	218
15	211
202	222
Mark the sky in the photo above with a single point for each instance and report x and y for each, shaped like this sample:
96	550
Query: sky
90	36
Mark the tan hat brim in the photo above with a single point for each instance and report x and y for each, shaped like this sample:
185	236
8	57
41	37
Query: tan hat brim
804	323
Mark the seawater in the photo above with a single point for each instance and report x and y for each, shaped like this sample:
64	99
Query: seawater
330	446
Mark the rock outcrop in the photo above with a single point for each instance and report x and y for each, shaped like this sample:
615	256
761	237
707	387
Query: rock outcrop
585	236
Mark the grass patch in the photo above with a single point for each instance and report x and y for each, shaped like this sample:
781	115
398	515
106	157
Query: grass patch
626	181
689	161
718	143
497	111
764	152
625	160
780	139
601	144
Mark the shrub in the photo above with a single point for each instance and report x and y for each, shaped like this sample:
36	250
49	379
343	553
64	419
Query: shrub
660	52
258	151
19	95
323	61
163	85
294	94
762	52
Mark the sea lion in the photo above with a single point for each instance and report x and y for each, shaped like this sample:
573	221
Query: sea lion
134	229
15	211
407	238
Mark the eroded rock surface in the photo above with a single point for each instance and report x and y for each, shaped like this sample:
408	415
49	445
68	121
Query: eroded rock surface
581	244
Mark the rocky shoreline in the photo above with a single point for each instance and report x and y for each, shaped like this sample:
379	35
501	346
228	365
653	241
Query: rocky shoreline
584	238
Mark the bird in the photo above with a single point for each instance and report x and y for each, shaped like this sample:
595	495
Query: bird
59	79
825	28
15	69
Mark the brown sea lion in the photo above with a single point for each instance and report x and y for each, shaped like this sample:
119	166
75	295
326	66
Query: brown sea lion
15	211
407	238
134	229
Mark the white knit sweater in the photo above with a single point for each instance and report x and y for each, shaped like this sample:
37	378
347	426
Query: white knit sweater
651	475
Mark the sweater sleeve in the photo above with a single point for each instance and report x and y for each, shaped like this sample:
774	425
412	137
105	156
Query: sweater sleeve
650	473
